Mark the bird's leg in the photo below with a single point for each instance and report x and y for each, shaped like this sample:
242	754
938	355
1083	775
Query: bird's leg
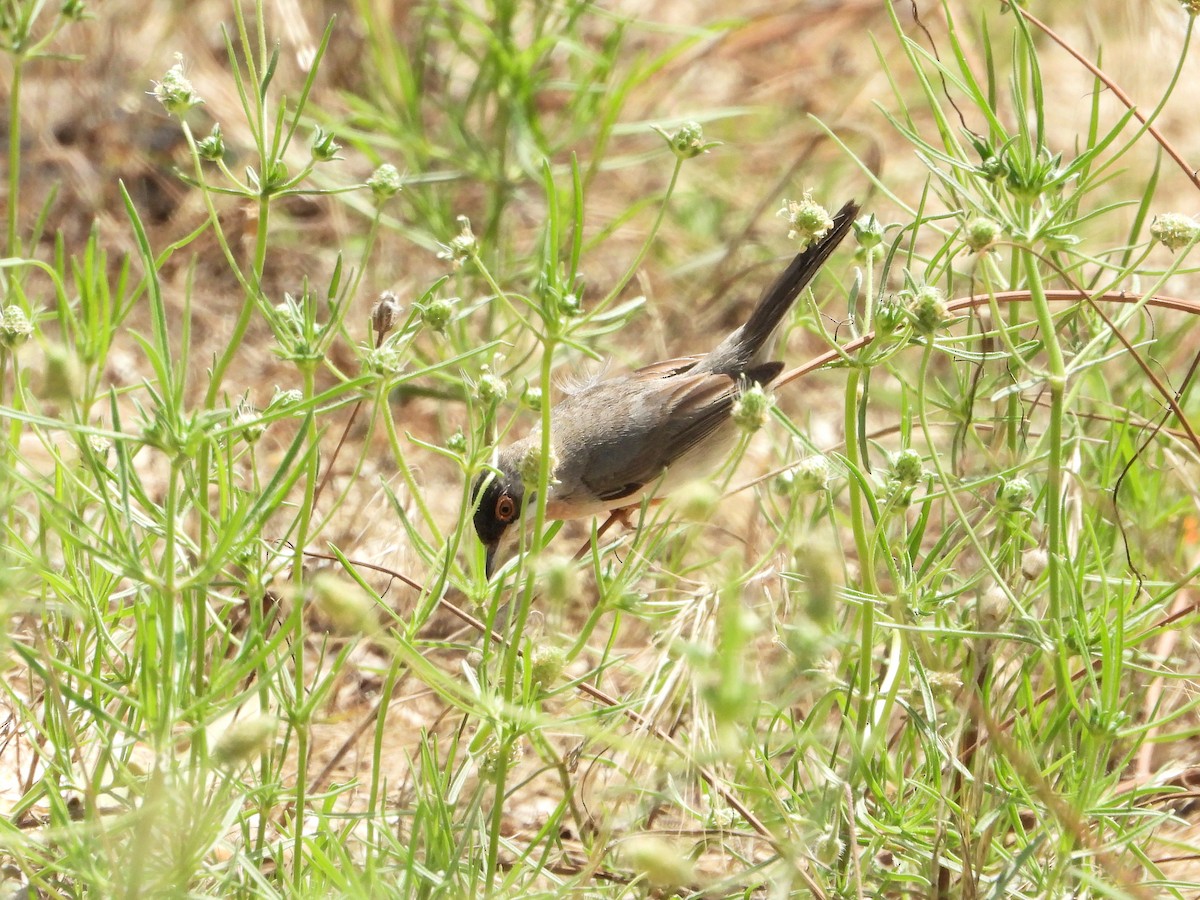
623	515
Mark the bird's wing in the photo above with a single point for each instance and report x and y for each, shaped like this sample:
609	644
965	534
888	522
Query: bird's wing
660	420
667	368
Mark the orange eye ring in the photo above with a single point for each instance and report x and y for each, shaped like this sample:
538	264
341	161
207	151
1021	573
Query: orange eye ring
506	508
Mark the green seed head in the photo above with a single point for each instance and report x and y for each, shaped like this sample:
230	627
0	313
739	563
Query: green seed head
907	468
1174	230
385	183
245	741
813	475
1015	495
490	389
531	398
529	466
437	313
927	308
809	220
15	327
546	664
212	147
751	408
980	233
175	91
462	246
868	231
688	142
324	148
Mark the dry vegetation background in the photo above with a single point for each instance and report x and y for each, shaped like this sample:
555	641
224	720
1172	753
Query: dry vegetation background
89	122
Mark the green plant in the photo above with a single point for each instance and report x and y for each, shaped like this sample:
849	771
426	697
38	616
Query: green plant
929	657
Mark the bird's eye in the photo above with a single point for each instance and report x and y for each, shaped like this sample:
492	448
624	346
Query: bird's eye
506	509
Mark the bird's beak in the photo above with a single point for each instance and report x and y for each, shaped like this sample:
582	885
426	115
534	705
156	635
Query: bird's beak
501	550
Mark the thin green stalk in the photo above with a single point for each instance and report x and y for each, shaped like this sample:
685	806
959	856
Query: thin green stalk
167	606
299	686
865	546
1056	382
518	618
406	472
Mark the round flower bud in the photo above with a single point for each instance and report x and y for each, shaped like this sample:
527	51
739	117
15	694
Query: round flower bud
245	741
751	408
979	233
546	664
385	182
697	500
324	148
531	398
100	445
889	316
462	246
286	398
569	305
62	378
529	466
868	231
813	475
175	91
490	759
212	148
927	308
386	359
15	327
1174	230
828	847
993	609
784	483
809	220
1015	495
490	389
815	565
993	168
249	420
688	141
907	468
436	314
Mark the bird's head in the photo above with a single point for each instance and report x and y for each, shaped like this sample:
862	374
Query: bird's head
497	497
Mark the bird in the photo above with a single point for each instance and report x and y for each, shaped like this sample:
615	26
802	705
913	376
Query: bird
619	439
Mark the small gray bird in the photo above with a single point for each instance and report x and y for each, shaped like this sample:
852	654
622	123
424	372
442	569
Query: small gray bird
615	441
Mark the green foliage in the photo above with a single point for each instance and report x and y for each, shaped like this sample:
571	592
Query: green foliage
927	659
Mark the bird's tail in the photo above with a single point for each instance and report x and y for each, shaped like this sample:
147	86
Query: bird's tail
741	348
779	298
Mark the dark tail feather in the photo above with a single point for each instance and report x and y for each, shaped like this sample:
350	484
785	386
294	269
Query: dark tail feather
779	298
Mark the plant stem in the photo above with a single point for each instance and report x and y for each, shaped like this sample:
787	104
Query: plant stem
866	552
301	723
1056	382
